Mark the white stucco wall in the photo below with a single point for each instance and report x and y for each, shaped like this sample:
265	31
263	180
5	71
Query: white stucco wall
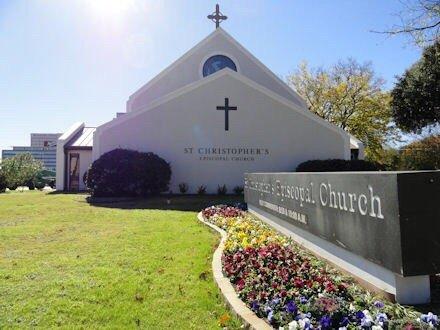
188	69
189	119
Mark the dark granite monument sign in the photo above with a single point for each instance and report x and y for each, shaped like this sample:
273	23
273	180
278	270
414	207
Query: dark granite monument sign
389	218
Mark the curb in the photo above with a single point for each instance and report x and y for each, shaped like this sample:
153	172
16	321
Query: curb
238	307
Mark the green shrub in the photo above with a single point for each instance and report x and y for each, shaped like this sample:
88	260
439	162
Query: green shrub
201	190
30	184
21	170
183	188
3	184
421	155
43	178
238	190
122	172
338	165
222	190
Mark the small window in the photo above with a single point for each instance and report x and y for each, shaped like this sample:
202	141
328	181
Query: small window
216	63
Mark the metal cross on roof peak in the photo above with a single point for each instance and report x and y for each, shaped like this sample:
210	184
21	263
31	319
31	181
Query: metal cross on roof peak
217	16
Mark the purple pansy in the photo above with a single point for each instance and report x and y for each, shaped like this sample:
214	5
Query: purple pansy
378	304
360	315
344	322
275	301
326	322
291	307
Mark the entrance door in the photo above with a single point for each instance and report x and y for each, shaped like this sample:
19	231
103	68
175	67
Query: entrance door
74	172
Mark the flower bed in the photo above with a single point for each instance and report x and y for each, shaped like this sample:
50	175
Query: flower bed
292	289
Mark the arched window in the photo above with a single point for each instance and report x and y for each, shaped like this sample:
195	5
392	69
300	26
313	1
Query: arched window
216	63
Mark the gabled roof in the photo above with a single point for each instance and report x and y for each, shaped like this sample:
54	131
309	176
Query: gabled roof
82	140
281	85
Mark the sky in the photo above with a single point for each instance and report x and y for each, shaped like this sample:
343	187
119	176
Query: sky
64	61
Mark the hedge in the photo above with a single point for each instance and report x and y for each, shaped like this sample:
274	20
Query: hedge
122	172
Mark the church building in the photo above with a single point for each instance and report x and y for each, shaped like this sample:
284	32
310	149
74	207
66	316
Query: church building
214	114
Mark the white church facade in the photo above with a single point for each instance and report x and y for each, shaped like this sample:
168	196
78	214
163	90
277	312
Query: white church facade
214	114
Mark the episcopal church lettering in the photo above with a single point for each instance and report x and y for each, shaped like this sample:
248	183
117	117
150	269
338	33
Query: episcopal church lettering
366	203
226	154
382	216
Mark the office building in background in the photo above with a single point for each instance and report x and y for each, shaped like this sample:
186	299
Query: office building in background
43	147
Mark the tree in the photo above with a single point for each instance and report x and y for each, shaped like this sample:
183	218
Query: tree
421	155
20	169
420	19
416	95
350	96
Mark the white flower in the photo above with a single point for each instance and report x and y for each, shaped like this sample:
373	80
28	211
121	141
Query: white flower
381	319
293	325
351	308
376	327
342	328
305	323
281	328
367	321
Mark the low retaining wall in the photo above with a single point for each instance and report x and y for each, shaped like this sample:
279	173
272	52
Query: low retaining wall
237	306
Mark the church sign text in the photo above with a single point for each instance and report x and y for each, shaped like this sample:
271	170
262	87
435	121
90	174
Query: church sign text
226	153
389	218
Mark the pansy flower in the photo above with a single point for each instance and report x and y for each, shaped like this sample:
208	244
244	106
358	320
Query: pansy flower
430	318
378	304
381	319
344	321
291	307
325	322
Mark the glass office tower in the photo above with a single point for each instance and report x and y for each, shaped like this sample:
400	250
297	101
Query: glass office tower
43	147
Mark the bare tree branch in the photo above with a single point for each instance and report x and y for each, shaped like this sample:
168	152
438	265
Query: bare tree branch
420	20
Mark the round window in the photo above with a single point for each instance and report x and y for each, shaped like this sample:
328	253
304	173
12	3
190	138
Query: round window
216	63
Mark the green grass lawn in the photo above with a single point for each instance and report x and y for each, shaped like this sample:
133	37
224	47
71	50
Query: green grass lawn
64	262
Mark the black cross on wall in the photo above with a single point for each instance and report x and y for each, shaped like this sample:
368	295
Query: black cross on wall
226	109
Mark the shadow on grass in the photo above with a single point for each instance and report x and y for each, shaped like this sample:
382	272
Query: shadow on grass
56	192
193	203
